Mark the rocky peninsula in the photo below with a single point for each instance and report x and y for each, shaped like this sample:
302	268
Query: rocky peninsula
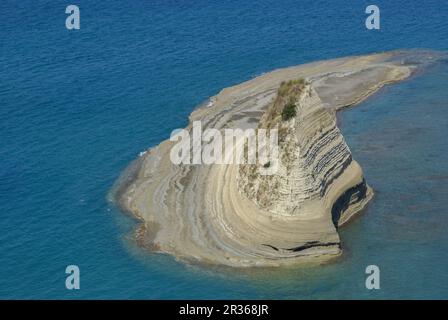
229	214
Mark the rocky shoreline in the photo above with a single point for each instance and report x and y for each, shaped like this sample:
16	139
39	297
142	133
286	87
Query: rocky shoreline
221	214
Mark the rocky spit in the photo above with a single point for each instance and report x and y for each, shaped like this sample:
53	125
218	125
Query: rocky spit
229	214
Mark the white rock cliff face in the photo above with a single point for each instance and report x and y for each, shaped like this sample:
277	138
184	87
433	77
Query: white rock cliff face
314	159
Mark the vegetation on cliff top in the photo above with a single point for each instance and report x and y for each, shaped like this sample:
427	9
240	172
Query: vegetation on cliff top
284	107
289	87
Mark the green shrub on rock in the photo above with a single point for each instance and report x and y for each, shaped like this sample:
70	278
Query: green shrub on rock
289	111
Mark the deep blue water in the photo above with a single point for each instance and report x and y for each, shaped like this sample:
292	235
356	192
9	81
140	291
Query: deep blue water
77	106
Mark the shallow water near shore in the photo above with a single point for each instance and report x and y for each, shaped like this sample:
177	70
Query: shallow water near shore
77	108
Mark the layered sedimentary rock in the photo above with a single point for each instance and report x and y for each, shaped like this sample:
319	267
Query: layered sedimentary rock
230	214
315	165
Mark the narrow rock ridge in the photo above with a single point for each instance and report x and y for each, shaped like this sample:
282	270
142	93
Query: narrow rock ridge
229	214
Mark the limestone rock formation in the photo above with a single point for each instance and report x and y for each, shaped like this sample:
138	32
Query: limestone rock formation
315	164
230	214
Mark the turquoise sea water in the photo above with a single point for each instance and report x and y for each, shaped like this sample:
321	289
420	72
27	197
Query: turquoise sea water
77	106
